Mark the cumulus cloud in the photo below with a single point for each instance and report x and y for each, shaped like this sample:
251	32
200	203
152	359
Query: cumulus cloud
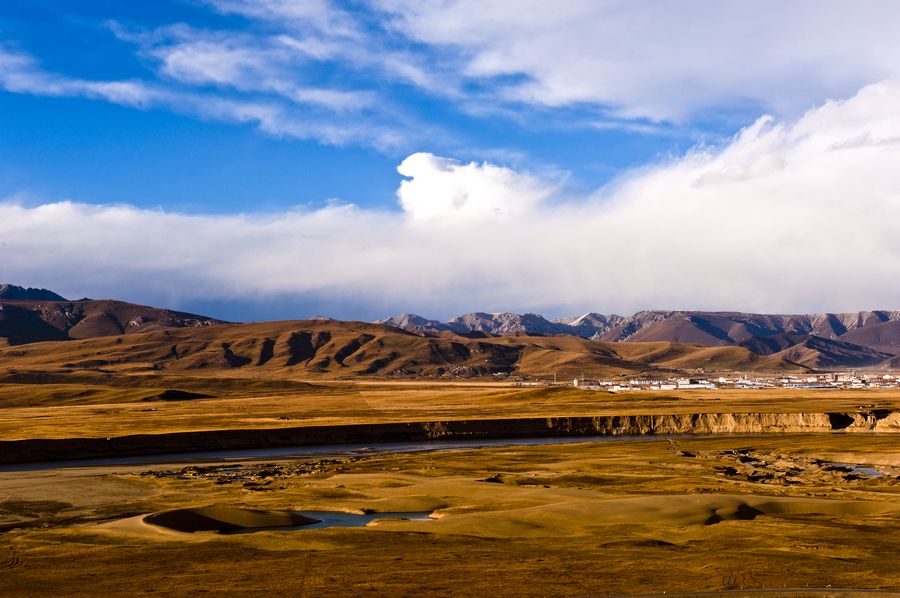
440	188
789	216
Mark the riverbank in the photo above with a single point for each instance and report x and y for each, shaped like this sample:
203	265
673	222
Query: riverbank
59	449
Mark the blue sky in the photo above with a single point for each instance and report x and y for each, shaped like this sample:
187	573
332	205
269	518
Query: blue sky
53	147
534	132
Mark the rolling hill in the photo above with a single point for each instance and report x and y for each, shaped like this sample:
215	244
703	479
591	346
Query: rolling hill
336	349
883	336
29	321
822	353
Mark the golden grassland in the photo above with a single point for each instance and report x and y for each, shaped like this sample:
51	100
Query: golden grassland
620	517
98	406
573	519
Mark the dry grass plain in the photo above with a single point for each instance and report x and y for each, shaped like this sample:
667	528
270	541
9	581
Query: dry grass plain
104	406
655	515
578	519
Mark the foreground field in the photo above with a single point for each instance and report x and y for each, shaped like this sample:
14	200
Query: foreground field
653	515
619	517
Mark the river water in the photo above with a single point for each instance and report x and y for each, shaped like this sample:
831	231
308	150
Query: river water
331	450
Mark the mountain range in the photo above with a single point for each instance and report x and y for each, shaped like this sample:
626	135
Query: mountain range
821	340
665	340
699	327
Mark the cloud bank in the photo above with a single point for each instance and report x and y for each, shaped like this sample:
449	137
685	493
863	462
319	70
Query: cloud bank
788	216
662	59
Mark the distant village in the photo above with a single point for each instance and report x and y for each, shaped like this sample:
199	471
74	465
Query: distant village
851	380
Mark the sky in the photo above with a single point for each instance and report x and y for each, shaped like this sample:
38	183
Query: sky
263	159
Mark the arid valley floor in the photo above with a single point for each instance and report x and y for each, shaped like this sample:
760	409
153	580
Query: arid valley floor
575	516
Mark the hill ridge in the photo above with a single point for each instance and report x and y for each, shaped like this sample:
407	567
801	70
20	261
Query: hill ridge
11	292
29	321
339	349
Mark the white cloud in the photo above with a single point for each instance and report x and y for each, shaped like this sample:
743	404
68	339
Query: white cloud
354	40
440	188
321	15
663	59
20	73
205	61
247	64
789	216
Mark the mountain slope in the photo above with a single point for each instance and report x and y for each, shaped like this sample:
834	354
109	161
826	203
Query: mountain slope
414	323
589	324
335	349
821	353
24	322
883	336
690	357
763	334
506	323
767	345
11	292
737	327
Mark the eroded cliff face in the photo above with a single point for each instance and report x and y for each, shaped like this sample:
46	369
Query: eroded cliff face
732	423
39	450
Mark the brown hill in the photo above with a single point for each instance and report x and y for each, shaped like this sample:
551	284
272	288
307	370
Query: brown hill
821	353
335	349
738	327
883	336
689	357
11	292
767	345
24	322
681	330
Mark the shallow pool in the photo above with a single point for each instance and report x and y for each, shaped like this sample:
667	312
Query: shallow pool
336	519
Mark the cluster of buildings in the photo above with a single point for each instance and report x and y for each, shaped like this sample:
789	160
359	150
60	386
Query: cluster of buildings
841	380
